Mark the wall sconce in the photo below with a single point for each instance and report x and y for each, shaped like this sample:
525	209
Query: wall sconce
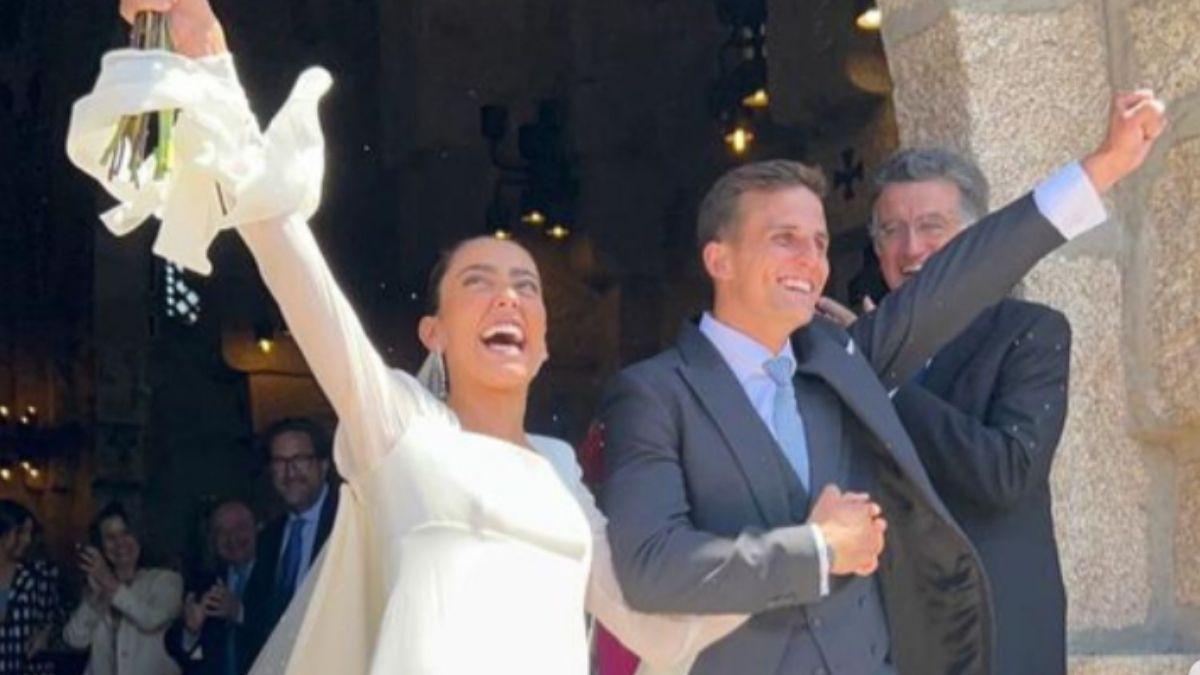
759	100
739	139
264	338
869	17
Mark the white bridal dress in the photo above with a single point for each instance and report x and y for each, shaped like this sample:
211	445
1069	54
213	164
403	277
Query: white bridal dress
453	552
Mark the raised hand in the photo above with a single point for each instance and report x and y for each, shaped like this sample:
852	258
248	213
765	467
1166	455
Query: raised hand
195	30
853	528
1135	121
835	311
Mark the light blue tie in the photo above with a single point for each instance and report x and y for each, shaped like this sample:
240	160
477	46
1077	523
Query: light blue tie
785	416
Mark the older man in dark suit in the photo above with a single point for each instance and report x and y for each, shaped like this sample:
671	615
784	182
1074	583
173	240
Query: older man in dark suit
718	448
206	639
986	414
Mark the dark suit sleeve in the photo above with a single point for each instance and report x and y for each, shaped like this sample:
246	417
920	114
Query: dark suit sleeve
993	462
971	273
665	564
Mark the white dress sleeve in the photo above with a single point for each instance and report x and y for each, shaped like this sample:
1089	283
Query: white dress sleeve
372	405
664	642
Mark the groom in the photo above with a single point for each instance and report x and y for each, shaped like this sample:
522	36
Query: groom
718	448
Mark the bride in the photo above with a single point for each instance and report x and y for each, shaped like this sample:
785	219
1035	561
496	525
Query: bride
464	543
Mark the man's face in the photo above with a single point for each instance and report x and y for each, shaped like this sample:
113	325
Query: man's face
770	270
234	533
915	221
296	471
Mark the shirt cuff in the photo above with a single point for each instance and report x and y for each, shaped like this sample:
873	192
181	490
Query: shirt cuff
1070	202
188	640
822	558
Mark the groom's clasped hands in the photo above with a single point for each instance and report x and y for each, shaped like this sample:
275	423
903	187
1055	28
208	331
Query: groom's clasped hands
853	527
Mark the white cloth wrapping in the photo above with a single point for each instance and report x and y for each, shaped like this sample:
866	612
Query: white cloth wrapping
226	172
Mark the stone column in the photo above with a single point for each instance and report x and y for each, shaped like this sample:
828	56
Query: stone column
1022	86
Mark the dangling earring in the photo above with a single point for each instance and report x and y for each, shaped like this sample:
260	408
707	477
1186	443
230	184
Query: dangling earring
433	375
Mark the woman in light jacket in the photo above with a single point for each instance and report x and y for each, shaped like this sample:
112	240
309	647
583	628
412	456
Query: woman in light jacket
125	608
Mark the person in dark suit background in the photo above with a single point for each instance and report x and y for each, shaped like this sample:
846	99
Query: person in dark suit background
206	639
726	454
298	455
986	414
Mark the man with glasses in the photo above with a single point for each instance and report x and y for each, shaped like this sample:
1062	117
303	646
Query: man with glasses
987	411
298	460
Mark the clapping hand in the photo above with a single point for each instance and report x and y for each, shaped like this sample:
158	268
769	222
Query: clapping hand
194	613
220	602
100	577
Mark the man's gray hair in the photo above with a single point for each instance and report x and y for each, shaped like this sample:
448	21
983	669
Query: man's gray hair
719	208
922	164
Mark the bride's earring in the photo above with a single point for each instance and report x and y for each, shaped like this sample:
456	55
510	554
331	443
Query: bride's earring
433	375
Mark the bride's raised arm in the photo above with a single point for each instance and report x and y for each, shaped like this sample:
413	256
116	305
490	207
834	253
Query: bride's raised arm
270	205
351	373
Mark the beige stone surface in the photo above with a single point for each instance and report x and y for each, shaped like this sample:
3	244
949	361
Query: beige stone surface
1165	41
931	87
1100	479
1039	91
1023	92
1187	530
1141	664
1171	312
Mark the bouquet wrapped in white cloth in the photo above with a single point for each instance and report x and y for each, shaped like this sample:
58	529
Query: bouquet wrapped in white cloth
227	171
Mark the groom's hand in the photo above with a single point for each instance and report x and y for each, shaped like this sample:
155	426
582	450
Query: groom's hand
1135	121
195	30
853	528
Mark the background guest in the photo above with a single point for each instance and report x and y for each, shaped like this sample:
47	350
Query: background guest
206	640
126	608
30	608
298	456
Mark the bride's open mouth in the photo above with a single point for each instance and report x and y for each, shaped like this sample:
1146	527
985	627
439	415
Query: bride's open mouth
506	339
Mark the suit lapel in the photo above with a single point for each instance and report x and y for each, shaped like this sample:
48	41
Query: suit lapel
822	427
856	384
746	437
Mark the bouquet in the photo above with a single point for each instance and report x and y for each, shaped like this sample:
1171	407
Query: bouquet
149	133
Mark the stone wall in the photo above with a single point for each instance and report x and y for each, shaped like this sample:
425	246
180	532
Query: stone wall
1023	86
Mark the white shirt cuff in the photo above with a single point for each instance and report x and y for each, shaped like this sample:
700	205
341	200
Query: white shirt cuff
1070	202
822	558
188	640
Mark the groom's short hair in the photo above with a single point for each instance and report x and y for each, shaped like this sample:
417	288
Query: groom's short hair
719	208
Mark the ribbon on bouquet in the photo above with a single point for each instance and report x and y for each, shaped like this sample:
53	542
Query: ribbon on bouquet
226	173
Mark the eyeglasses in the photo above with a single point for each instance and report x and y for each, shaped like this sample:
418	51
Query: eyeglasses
295	462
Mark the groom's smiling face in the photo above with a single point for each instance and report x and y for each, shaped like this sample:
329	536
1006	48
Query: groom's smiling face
770	269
